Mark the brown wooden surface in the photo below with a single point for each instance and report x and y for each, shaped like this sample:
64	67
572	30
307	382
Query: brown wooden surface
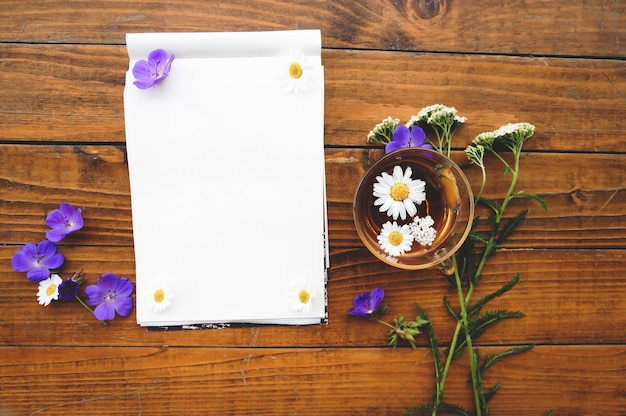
558	65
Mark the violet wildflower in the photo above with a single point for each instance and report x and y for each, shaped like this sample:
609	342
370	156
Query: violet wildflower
110	294
407	137
366	304
68	289
63	221
152	71
37	260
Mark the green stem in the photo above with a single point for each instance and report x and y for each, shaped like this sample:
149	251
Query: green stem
468	337
88	308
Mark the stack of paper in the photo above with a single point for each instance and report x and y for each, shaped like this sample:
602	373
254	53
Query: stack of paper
226	165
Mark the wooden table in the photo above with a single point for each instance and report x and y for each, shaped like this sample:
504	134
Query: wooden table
558	65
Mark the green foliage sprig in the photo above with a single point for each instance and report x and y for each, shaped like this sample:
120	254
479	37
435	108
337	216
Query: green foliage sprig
468	263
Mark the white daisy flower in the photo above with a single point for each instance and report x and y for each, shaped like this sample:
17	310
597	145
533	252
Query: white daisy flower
395	239
398	193
49	290
294	72
422	230
300	296
159	295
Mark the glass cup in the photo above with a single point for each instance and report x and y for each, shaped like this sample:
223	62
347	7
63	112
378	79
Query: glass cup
449	202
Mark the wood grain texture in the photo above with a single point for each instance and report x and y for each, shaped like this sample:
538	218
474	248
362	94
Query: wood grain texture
259	381
491	26
555	313
558	65
73	94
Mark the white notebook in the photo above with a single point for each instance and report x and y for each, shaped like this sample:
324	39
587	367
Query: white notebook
227	180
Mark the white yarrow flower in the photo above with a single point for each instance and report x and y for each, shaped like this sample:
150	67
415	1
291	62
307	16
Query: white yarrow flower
422	230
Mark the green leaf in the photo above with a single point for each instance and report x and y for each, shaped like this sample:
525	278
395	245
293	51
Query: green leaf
490	203
492	392
449	308
494	358
480	324
511	225
522	194
443	407
487	298
430	331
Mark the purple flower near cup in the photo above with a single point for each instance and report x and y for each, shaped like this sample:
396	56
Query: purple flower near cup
366	304
405	137
110	294
63	221
37	260
152	71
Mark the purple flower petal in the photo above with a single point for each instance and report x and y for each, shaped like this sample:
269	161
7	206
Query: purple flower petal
418	137
63	221
68	289
111	294
152	71
37	260
367	304
104	311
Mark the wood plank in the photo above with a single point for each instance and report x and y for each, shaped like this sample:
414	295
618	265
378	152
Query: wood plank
70	93
490	26
586	194
162	381
568	297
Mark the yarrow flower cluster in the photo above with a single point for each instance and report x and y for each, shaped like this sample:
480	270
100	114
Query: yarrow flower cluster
399	194
41	263
438	118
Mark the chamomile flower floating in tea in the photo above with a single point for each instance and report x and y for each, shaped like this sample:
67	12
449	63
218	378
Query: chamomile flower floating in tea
395	239
49	290
398	193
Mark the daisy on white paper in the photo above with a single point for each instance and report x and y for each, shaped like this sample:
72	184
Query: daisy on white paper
49	290
294	72
398	193
300	296
159	295
395	239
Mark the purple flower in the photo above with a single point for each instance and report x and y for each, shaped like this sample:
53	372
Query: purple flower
63	221
111	294
68	289
366	304
405	137
152	71
37	260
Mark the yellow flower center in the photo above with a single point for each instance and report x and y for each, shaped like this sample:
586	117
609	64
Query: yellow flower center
399	192
395	238
295	70
304	296
50	290
159	295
